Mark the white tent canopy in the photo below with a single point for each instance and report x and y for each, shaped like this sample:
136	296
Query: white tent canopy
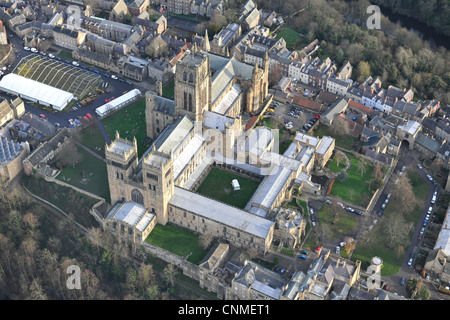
35	91
118	102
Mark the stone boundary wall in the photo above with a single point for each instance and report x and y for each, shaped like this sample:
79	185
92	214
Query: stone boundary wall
189	269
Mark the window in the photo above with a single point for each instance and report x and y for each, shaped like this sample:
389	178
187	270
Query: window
137	196
184	76
191	78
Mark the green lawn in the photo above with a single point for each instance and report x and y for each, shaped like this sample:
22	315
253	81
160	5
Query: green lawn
177	240
333	166
343	223
290	36
129	121
377	247
217	185
356	188
93	169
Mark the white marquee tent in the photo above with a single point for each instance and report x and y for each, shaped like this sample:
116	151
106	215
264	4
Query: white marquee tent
35	91
118	102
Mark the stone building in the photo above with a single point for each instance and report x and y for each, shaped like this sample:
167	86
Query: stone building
11	157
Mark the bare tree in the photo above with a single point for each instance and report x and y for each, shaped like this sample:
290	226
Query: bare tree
169	273
339	156
339	127
69	154
396	230
205	240
362	165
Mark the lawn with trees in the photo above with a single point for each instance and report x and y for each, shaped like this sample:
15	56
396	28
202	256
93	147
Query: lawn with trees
392	234
357	186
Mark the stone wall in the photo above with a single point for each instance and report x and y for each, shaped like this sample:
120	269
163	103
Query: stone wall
189	269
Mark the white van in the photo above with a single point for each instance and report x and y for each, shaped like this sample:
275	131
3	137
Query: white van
433	200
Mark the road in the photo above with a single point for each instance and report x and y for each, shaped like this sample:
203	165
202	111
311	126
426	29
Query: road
62	117
409	159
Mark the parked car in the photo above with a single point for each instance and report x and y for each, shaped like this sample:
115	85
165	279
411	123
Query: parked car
419	166
350	209
317	249
304	252
429	177
402	281
380	213
301	256
282	271
50	55
26	49
114	77
338	249
411	259
430	209
42	116
76	64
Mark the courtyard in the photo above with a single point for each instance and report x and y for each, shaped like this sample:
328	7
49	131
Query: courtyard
217	185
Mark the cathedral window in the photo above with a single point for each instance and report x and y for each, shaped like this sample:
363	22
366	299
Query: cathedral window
137	196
